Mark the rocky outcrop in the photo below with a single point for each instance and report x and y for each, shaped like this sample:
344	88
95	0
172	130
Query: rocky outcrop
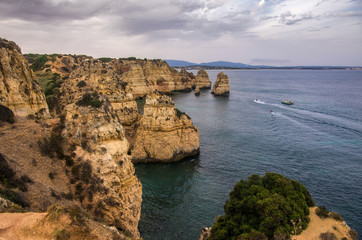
95	76
164	134
221	86
202	80
145	76
19	89
141	76
197	91
103	175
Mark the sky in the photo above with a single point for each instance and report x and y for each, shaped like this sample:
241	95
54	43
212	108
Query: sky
257	32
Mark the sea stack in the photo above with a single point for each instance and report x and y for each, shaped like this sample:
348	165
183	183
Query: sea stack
221	86
18	86
165	134
197	91
202	80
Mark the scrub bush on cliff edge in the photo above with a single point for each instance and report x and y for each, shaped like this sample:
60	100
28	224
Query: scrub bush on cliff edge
272	205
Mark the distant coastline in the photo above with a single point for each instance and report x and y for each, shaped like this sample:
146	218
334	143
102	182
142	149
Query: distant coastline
240	66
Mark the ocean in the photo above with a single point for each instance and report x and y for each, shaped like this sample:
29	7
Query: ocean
317	141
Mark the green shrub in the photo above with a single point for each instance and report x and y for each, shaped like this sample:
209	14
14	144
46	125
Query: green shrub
328	236
322	212
52	146
81	84
353	234
13	197
272	205
6	115
61	234
50	83
89	100
105	59
39	62
336	216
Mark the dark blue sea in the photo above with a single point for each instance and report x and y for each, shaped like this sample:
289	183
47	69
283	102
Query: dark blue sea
317	141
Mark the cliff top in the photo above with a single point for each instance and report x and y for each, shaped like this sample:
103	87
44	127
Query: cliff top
9	45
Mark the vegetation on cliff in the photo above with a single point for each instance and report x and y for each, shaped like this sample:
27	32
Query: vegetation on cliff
268	207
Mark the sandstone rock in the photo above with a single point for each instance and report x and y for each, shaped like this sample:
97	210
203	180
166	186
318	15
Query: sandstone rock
221	85
19	89
103	175
164	134
197	91
94	76
202	80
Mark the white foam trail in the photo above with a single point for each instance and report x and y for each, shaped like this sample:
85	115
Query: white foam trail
338	121
259	101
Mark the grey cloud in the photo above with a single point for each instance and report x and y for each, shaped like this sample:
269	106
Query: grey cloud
49	11
288	18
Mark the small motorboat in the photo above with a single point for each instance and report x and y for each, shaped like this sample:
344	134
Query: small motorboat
287	102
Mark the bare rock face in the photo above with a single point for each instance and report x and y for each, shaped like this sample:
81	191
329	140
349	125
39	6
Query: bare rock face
202	80
19	89
221	86
164	134
103	175
145	76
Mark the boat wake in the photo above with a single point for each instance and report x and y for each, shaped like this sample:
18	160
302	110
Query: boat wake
259	101
297	114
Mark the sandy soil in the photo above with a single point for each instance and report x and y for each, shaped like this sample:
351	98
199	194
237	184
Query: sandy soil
319	225
12	223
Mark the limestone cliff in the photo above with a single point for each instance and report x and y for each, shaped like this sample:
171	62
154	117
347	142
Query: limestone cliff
145	76
164	134
202	80
103	175
19	89
221	86
94	76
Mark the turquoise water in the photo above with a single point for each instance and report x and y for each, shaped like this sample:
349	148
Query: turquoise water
317	141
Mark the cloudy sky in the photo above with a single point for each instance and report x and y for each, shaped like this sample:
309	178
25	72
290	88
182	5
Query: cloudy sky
272	32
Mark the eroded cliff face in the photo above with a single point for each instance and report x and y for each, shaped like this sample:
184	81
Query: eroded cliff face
202	80
19	89
94	76
164	134
145	76
103	175
221	86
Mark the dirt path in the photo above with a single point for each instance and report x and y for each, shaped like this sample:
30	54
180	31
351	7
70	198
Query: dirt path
319	225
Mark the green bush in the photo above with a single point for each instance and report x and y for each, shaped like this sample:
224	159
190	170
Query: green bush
50	83
353	234
322	212
328	236
105	59
336	216
272	205
61	234
52	146
89	100
6	115
39	62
